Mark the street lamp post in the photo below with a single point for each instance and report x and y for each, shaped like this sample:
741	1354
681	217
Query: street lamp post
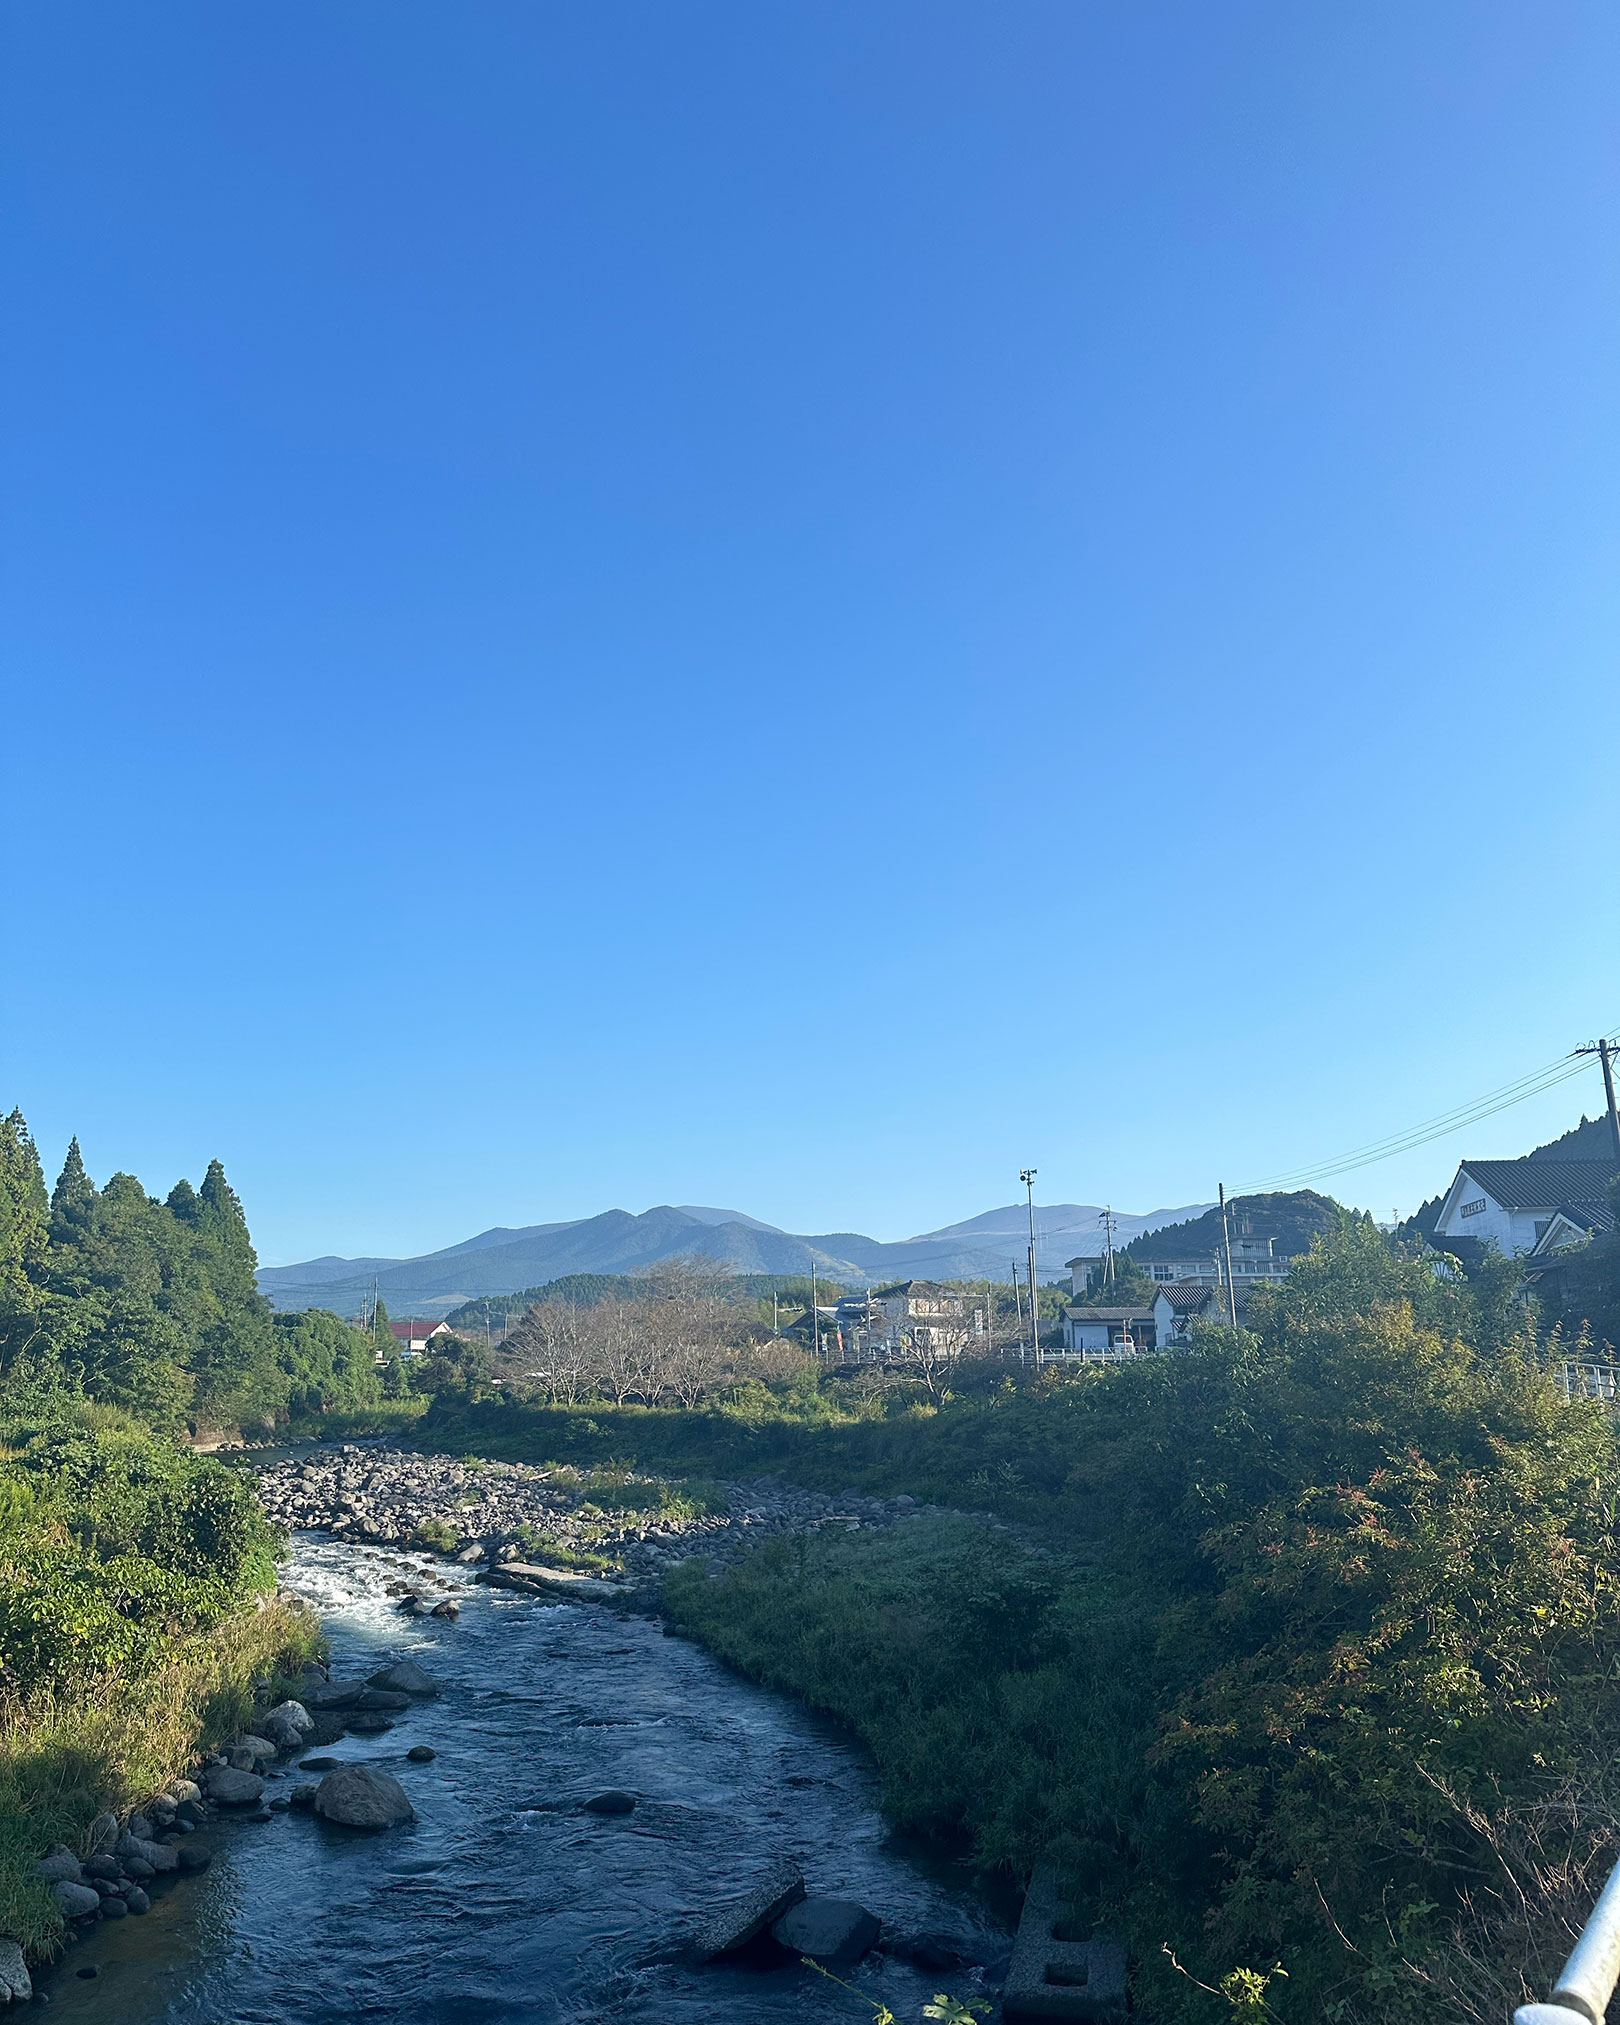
1027	1176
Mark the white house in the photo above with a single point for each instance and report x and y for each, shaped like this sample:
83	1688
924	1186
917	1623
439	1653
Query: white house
1097	1331
1514	1204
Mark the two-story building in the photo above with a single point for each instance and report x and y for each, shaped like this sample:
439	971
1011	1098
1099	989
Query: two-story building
1254	1262
914	1318
1522	1205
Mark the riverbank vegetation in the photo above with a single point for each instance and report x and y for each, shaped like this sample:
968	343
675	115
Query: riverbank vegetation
1309	1655
137	1577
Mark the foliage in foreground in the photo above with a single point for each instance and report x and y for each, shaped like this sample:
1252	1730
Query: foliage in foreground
1320	1685
135	1611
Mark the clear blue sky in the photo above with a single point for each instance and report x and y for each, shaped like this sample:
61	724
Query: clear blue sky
798	606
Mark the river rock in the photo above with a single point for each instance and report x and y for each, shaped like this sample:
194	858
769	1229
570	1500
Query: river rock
613	1801
302	1797
248	1753
292	1712
832	1931
359	1796
15	1987
184	1791
375	1698
59	1866
138	1868
734	1925
103	1831
449	1608
332	1694
193	1859
140	1828
103	1866
113	1907
421	1754
137	1849
137	1900
77	1901
319	1764
405	1677
232	1788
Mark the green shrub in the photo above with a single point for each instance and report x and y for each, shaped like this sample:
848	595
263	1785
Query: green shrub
1339	1631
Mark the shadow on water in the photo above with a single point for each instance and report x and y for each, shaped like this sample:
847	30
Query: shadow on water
501	1900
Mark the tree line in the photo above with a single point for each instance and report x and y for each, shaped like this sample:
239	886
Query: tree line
151	1305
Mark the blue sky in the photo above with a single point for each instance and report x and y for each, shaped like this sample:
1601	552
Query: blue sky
801	606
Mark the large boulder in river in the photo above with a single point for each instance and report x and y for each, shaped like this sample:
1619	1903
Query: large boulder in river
735	1924
359	1796
406	1678
232	1788
332	1694
832	1931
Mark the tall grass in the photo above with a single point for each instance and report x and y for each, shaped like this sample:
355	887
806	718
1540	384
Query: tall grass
116	1740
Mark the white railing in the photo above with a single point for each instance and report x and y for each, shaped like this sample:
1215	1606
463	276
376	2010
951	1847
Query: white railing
1581	1994
1588	1378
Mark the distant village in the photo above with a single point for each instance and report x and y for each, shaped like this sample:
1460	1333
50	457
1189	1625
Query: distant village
1542	1209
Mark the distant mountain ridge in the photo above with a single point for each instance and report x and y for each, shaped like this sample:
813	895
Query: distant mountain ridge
504	1261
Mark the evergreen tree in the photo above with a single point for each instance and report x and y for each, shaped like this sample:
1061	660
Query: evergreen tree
74	1191
22	1198
183	1202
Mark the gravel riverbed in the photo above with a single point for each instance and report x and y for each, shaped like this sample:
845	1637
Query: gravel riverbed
495	1512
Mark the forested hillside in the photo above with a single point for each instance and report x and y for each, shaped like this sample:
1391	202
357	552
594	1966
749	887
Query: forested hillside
111	1294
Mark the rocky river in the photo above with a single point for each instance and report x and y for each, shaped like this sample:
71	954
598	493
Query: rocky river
505	1896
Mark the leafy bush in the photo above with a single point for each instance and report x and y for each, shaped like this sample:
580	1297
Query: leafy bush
1339	1623
437	1534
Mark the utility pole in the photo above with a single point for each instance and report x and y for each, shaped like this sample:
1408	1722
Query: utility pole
1226	1238
815	1311
1027	1176
1018	1311
1605	1052
989	1319
1107	1222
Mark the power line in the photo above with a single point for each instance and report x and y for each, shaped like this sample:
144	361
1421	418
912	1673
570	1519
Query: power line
1546	1078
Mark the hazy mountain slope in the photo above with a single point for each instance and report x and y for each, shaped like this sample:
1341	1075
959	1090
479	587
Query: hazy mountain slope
1077	1220
506	1261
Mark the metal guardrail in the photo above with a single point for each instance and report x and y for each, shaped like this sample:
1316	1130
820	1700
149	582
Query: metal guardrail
1582	1992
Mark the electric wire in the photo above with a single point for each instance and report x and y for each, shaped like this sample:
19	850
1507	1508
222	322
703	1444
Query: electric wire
1548	1077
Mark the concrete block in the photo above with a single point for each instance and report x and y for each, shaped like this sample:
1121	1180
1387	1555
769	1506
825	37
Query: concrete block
1049	1978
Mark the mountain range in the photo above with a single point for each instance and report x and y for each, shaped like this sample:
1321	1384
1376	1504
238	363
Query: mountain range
505	1261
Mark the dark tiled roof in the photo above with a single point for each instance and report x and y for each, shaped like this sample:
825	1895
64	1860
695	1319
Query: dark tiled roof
1540	1184
1109	1314
1184	1295
1590	1212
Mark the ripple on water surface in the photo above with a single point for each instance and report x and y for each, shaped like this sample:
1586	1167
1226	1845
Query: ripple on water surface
501	1900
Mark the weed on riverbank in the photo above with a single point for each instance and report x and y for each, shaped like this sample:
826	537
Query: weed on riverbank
114	1742
1332	1629
135	1612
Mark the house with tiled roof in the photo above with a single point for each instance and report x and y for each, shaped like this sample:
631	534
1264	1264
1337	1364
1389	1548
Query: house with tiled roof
1520	1205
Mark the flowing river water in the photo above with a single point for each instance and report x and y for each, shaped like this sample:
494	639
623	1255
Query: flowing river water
502	1900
